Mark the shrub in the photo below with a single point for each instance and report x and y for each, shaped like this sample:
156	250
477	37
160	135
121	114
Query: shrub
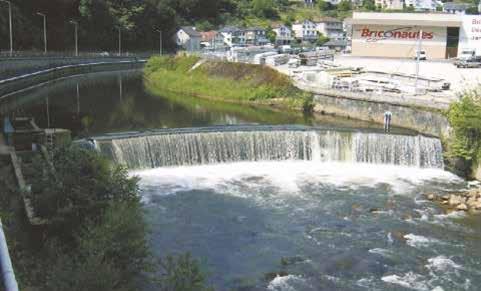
465	119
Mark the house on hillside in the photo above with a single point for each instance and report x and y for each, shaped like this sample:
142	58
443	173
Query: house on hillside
255	36
188	38
390	4
233	36
212	40
330	27
305	30
422	5
456	8
283	35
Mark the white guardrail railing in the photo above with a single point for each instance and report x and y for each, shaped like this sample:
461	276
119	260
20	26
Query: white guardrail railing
8	276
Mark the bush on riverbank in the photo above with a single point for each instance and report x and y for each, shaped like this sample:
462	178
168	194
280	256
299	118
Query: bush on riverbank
235	82
465	119
97	236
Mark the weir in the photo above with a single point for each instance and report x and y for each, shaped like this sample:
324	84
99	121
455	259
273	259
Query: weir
258	143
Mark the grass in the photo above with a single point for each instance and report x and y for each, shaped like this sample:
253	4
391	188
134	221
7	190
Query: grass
224	81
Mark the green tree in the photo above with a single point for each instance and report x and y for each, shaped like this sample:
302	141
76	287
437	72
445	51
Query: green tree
322	39
344	5
369	5
324	5
264	8
271	35
110	255
182	273
78	185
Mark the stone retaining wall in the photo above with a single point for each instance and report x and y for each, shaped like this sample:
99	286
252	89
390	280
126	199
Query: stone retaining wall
427	122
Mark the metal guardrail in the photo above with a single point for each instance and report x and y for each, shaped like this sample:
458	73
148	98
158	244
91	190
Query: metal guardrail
7	86
8	275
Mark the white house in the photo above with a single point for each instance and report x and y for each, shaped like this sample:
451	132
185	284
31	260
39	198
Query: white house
283	34
456	8
330	27
305	30
233	36
188	38
255	36
422	5
390	4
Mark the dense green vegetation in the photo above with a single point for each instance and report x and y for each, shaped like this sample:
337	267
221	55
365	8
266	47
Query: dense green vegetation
96	238
465	119
235	82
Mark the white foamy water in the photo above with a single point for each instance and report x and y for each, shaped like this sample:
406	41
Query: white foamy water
288	176
409	280
419	240
442	263
288	283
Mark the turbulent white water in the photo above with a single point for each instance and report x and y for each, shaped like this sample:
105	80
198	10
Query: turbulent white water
288	176
179	149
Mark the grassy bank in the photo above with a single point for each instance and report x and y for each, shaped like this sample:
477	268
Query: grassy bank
464	145
224	81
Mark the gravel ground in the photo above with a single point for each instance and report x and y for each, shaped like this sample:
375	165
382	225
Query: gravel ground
460	79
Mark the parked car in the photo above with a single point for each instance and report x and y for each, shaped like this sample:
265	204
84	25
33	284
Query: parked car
472	62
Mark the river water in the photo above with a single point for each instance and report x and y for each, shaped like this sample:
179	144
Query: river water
337	205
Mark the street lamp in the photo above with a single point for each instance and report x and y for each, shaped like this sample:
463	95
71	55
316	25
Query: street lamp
160	40
44	30
76	36
120	41
10	24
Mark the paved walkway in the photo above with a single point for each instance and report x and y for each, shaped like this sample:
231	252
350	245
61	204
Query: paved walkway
4	149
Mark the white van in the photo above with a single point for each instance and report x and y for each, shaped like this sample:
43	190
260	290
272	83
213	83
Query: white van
466	54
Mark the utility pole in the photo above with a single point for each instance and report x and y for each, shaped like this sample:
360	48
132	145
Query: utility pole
10	24
120	41
418	55
44	31
160	41
75	23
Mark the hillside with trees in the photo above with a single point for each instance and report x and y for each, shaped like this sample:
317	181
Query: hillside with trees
138	20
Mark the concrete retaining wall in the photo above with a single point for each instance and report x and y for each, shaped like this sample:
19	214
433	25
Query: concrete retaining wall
21	82
427	122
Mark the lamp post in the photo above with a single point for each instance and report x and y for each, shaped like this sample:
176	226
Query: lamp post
120	41
75	23
10	24
44	31
160	40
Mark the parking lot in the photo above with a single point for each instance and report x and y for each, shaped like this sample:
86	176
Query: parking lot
460	79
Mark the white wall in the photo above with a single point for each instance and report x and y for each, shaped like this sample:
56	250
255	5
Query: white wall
470	33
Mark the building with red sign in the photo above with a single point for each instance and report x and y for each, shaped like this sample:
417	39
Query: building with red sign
398	35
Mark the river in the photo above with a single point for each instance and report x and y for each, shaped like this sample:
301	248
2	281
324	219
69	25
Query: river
306	204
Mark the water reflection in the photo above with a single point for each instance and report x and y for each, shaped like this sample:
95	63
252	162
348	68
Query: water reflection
111	102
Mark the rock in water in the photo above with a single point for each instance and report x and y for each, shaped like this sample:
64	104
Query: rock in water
455	200
462	207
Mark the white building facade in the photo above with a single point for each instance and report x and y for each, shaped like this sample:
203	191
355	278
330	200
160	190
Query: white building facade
422	5
305	30
331	27
188	38
283	35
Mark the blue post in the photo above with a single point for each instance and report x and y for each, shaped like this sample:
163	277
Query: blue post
9	281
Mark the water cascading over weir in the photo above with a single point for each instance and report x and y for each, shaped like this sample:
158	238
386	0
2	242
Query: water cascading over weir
199	146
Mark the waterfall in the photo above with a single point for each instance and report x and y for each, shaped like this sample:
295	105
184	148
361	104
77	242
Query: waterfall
191	148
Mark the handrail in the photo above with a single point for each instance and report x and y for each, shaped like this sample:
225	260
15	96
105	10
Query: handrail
9	281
